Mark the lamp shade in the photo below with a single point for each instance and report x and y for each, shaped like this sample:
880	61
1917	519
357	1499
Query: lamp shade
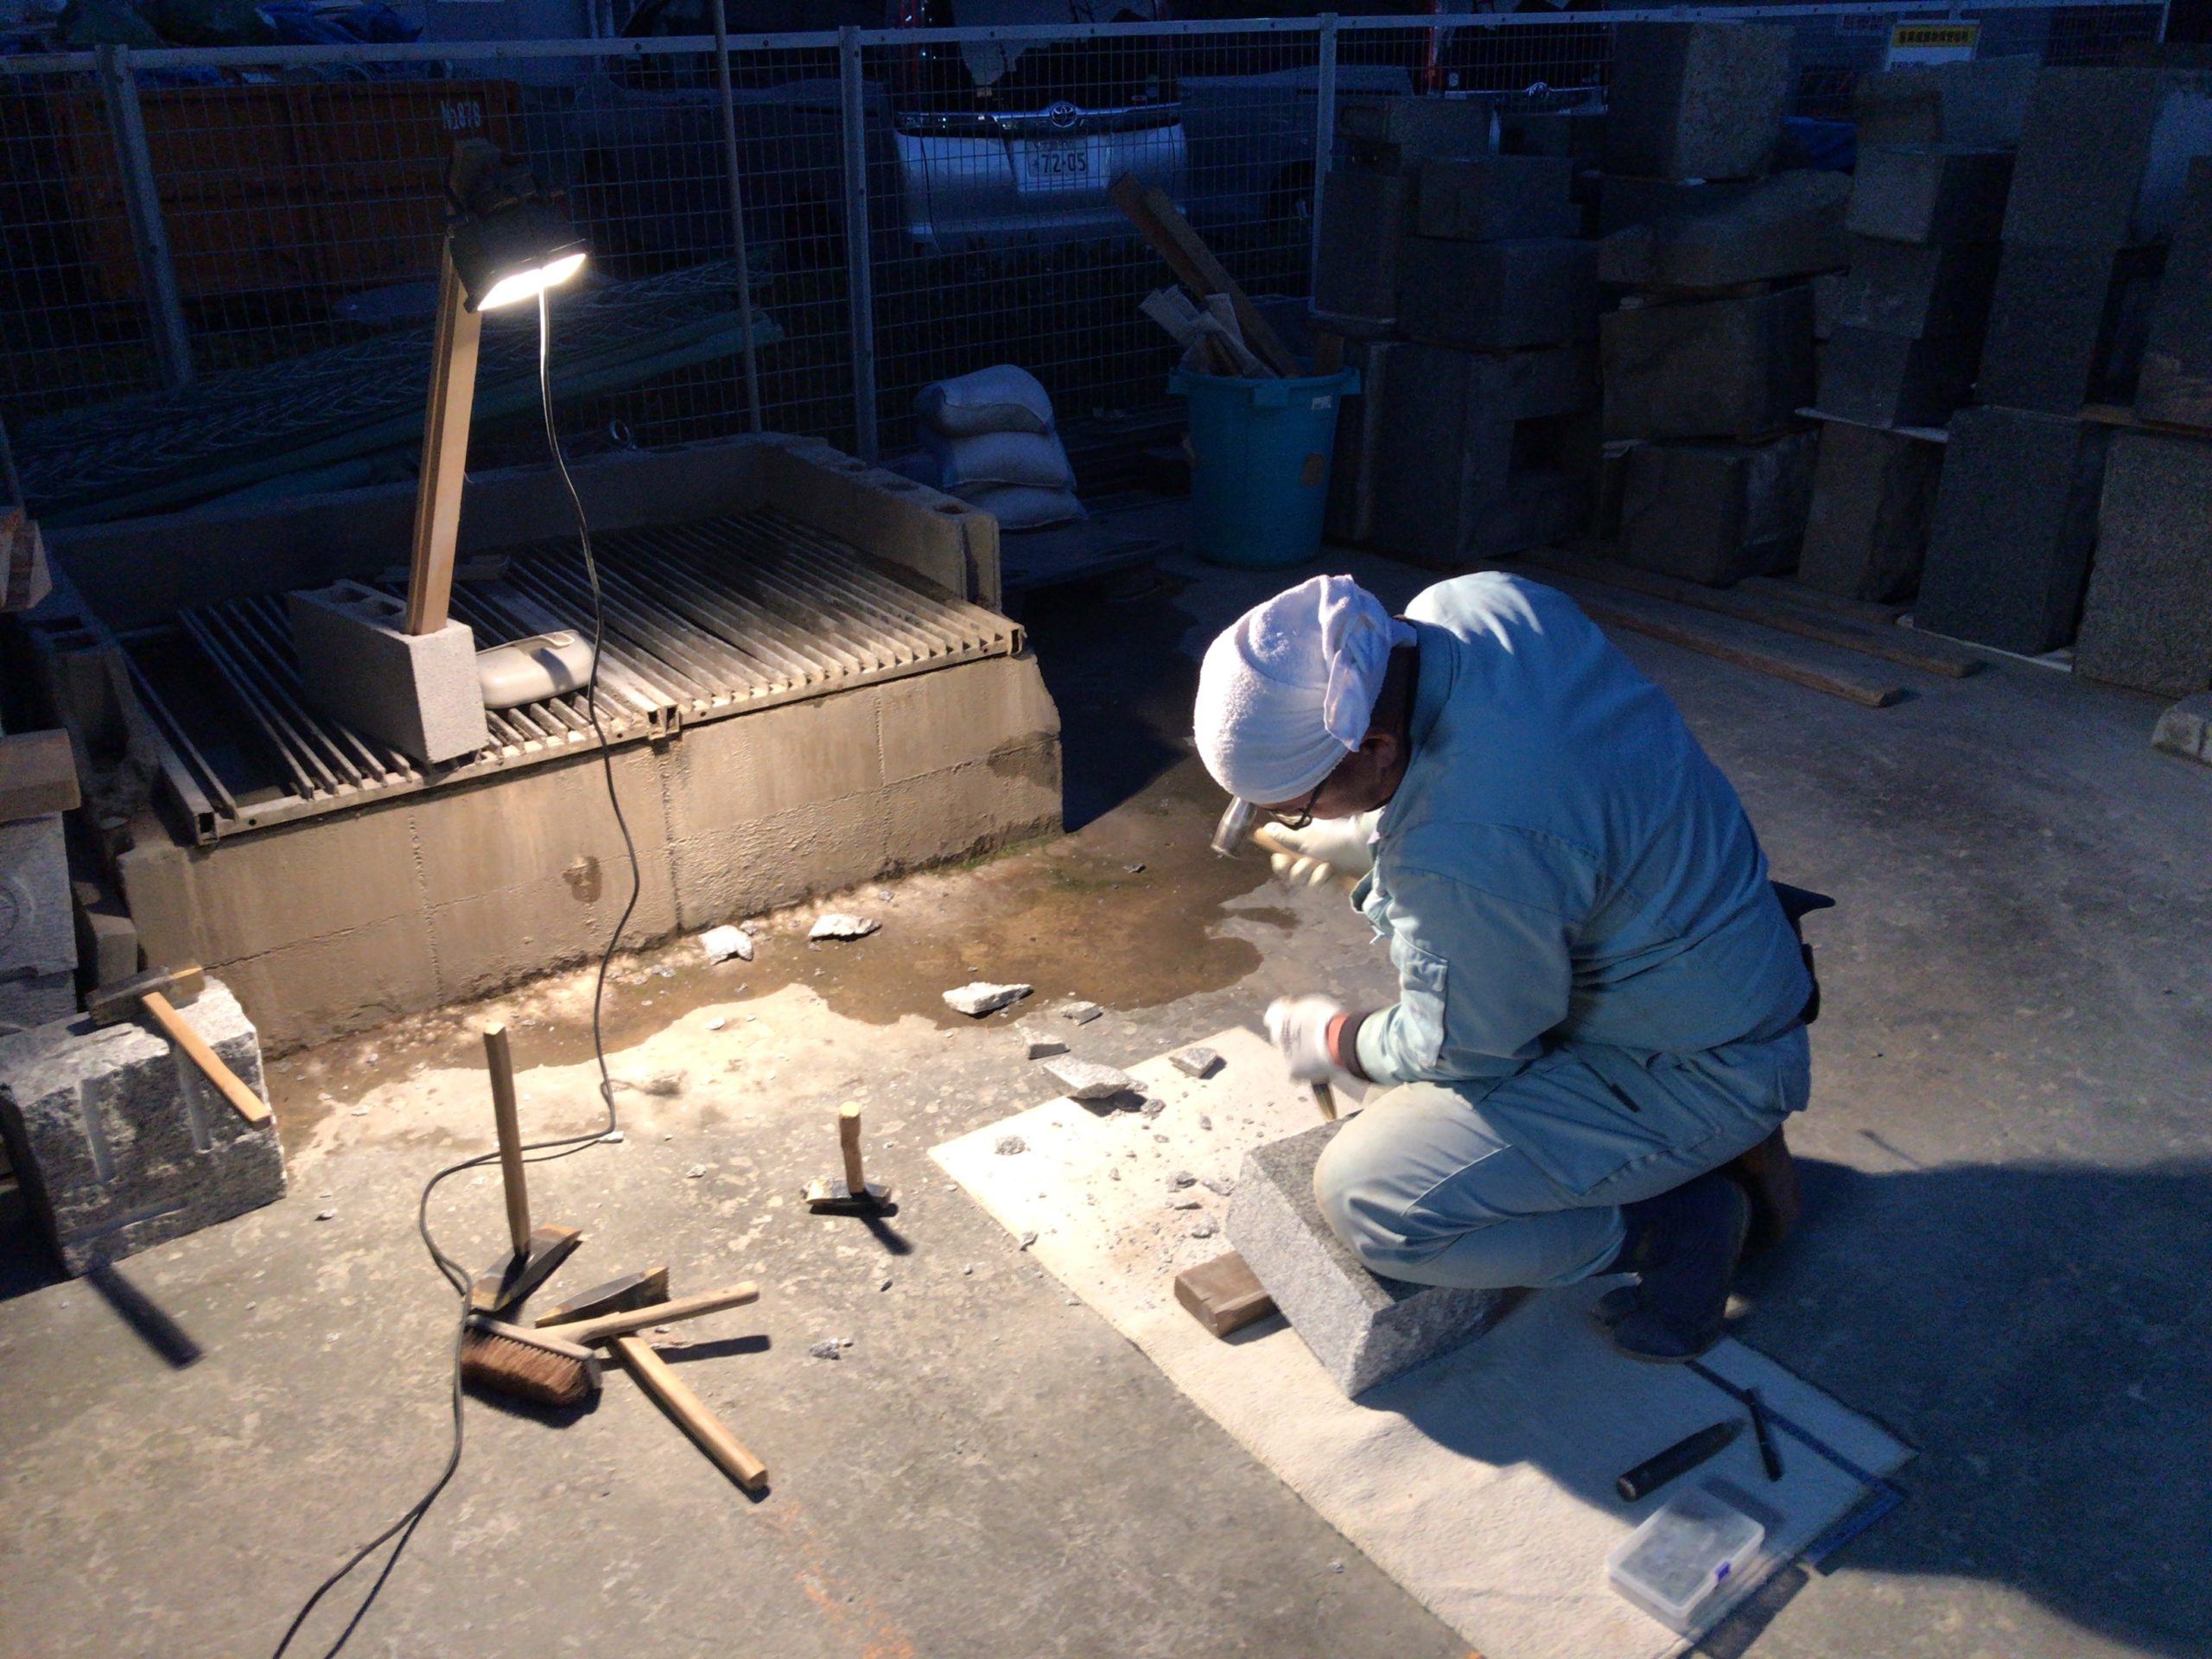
508	255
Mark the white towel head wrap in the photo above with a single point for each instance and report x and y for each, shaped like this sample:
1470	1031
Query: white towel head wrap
1287	691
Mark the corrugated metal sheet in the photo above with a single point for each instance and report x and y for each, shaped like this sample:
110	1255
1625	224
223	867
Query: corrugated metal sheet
703	620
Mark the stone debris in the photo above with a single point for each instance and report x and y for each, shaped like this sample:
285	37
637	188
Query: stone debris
836	925
662	1083
716	1023
1185	1204
1220	1186
885	1285
1204	1230
1154	1108
828	1348
359	1111
1044	1049
1181	1178
613	1138
1081	1013
324	1215
1206	1122
1028	1238
1085	1080
695	1172
967	1270
1195	1062
1009	1145
980	997
720	944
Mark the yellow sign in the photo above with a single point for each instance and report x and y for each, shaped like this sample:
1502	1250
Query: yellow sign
1932	42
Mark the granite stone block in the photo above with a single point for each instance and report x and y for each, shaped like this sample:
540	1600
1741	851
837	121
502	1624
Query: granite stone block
1695	100
38	927
1363	1329
2067	326
1364	219
1394	133
1873	495
121	1143
1886	379
1497	295
1790	225
2185	728
2146	621
1916	290
2175	382
419	693
2016	519
1349	514
2104	155
1716	512
1624	201
1737	367
36	999
1493	198
1983	103
1935	194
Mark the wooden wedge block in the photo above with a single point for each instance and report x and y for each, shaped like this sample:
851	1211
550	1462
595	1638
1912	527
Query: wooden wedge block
1223	1295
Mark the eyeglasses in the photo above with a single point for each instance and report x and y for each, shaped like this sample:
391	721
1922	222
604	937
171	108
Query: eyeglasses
1305	813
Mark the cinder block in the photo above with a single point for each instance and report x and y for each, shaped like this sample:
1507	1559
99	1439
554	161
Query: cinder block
2175	384
2067	326
1695	100
2186	729
1984	103
2147	619
1710	368
1624	201
419	693
2104	156
1716	512
1497	295
1886	379
1363	1329
1490	197
1915	289
38	931
2016	518
1935	194
1365	218
1393	133
1873	495
121	1144
1790	225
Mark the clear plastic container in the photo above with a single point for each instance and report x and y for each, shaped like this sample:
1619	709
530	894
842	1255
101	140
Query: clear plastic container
1683	1556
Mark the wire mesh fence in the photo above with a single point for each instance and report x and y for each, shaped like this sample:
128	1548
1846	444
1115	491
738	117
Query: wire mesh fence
236	238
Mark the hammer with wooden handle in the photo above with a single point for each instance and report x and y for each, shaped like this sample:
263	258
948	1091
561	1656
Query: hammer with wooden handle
149	993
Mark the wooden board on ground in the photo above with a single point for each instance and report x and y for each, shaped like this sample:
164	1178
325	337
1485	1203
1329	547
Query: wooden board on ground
1790	591
1837	673
1223	1294
1887	640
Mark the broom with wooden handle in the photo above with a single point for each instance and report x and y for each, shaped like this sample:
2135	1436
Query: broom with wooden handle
561	1370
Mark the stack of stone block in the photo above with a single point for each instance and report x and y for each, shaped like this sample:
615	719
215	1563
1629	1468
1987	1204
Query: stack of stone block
38	928
2096	192
1709	356
1905	342
1468	301
2146	619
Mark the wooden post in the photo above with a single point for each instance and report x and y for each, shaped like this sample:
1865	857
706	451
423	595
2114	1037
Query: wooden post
848	1142
445	452
502	1067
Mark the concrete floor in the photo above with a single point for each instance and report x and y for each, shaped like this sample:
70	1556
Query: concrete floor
2008	1159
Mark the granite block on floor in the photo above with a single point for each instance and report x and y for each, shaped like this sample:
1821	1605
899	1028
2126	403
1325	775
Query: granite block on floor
1790	225
1982	102
1886	379
1695	100
38	928
2016	519
1939	195
119	1141
2104	155
2067	326
1493	198
2146	621
1363	1329
2176	382
1917	291
1737	367
1873	495
1624	199
1715	513
1365	218
1497	295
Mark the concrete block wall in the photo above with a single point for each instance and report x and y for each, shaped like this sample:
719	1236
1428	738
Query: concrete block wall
454	894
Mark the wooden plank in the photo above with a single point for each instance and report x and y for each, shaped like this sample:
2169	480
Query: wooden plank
38	775
1193	262
1789	591
1817	667
1223	1295
1895	644
445	453
707	1432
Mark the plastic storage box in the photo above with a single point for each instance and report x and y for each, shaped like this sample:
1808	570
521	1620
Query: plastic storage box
1681	1560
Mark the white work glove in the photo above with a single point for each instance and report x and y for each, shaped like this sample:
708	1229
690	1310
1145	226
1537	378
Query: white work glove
1299	1027
1342	849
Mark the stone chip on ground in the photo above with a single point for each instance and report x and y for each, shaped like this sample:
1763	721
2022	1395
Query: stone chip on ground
720	944
1081	1013
1044	1049
980	997
836	924
1009	1145
1085	1080
1195	1061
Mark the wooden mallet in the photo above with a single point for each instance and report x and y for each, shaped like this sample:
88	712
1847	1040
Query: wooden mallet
855	1195
156	994
534	1251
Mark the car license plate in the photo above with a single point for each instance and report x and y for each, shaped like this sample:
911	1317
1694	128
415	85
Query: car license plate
1056	163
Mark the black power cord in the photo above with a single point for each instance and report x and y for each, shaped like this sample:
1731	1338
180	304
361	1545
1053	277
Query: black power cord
454	1274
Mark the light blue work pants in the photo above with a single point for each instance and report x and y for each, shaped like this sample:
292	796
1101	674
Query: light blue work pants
1519	1180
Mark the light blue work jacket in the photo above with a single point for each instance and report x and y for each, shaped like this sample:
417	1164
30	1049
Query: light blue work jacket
1562	863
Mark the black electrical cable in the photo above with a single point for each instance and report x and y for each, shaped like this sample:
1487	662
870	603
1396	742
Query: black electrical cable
454	1274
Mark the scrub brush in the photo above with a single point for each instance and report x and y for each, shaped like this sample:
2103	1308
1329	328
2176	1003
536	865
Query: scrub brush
530	1365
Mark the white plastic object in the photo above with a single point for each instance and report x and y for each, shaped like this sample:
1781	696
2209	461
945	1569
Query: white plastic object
1686	1553
524	670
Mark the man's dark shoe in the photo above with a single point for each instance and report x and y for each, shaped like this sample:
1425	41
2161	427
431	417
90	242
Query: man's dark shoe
1684	1245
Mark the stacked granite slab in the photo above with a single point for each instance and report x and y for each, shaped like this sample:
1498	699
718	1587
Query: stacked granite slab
38	928
1908	320
2097	192
1474	434
1708	354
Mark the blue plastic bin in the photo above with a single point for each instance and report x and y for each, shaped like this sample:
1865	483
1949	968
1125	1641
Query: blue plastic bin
1260	456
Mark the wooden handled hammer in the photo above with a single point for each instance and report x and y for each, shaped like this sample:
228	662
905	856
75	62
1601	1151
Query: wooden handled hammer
155	992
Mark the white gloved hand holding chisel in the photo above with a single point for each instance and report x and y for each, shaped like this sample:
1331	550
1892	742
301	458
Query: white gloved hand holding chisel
1327	849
